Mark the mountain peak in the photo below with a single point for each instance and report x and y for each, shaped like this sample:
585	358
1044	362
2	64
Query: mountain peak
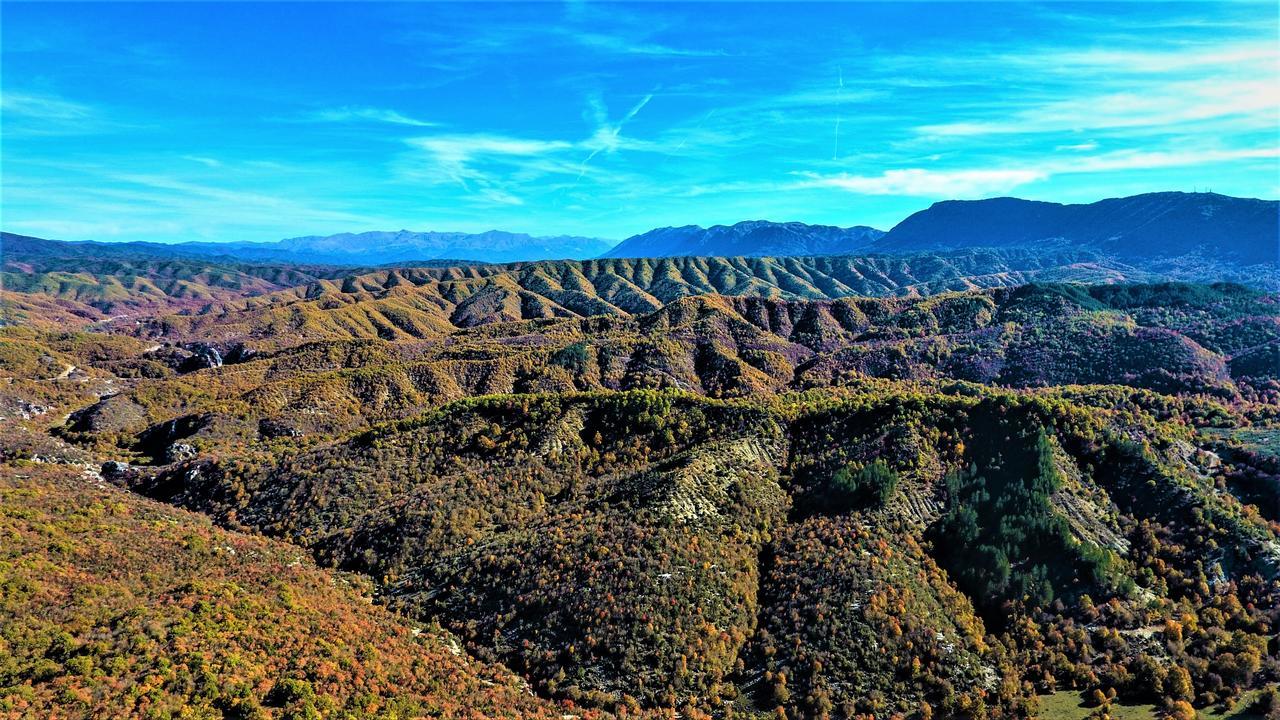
1152	225
751	238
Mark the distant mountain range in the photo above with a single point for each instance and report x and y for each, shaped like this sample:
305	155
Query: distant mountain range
1163	225
378	248
1156	227
348	249
756	238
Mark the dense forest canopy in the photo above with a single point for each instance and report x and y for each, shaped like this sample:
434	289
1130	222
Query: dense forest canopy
816	487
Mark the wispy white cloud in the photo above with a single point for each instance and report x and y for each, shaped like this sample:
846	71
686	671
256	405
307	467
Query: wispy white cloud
826	97
612	34
984	182
1256	101
500	197
36	114
629	46
1229	17
246	202
454	157
465	146
96	229
1153	159
167	205
488	168
491	166
918	182
1174	58
1081	147
202	160
353	113
43	107
1130	90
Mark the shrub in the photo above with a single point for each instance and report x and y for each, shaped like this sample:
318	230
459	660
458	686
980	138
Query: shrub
854	486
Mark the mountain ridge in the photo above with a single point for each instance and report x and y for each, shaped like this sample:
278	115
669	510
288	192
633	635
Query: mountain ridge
749	238
1151	225
340	250
1148	227
488	246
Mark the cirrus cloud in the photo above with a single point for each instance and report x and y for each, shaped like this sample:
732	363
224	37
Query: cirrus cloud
350	113
984	182
919	182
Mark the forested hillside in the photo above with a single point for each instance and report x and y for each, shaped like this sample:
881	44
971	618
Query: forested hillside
881	552
415	302
116	606
640	360
1219	342
44	280
747	487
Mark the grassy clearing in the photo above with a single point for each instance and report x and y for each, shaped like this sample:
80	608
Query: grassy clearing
1262	440
1071	705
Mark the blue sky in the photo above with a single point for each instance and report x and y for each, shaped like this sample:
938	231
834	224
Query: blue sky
241	121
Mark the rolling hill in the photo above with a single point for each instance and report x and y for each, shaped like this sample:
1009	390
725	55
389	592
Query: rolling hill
933	506
921	485
415	302
47	282
50	279
1220	342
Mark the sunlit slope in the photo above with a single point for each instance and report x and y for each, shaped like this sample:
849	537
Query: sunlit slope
117	606
1212	341
414	302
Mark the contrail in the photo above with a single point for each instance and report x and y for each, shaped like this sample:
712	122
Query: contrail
611	132
696	128
643	101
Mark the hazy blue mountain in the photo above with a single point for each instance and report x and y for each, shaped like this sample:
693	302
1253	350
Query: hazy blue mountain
755	238
378	248
14	245
356	249
1151	232
1142	227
